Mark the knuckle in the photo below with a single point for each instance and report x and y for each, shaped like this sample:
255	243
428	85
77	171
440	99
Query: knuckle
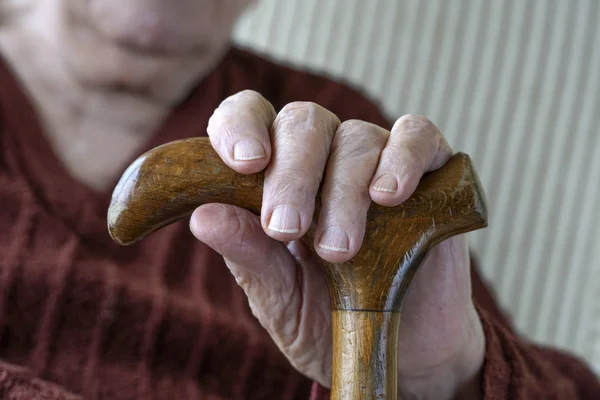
308	115
355	126
303	107
421	142
247	96
249	101
417	123
365	132
357	138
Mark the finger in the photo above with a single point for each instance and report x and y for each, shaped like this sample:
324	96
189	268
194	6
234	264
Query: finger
415	146
286	290
239	131
345	196
301	137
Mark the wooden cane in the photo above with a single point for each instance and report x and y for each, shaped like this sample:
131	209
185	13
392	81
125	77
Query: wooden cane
367	292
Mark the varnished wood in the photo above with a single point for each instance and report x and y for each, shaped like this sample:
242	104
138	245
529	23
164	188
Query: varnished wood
365	365
169	182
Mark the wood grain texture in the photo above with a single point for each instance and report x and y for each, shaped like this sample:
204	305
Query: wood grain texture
170	181
365	361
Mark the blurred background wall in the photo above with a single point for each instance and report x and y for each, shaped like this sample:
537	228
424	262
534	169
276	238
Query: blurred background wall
514	83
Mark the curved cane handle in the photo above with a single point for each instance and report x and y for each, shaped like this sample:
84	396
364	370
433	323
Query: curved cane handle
170	181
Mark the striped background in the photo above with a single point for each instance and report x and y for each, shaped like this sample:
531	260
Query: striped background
514	83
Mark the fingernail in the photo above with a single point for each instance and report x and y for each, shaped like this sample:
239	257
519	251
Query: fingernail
386	183
285	219
248	149
334	239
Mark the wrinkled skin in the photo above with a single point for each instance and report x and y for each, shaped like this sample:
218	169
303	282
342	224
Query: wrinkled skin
299	147
104	74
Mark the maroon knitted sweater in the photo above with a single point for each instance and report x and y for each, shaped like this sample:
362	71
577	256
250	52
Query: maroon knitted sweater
81	317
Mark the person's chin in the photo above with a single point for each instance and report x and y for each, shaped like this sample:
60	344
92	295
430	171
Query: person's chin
157	38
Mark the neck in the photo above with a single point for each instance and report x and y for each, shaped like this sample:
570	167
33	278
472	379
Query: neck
99	108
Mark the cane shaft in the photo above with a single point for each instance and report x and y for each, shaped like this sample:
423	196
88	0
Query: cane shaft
365	355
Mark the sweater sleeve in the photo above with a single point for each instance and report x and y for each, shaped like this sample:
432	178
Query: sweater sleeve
18	383
517	369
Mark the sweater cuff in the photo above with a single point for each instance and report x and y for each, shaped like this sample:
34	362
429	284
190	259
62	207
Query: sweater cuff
18	383
517	369
318	392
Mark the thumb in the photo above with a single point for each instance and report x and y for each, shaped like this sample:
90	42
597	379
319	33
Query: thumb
286	289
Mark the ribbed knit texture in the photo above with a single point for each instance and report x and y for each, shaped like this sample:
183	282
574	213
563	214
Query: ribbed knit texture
161	319
81	317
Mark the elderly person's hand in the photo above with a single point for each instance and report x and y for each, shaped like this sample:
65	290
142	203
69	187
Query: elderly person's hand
441	342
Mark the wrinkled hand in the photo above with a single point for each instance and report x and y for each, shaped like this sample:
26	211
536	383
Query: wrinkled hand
441	341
